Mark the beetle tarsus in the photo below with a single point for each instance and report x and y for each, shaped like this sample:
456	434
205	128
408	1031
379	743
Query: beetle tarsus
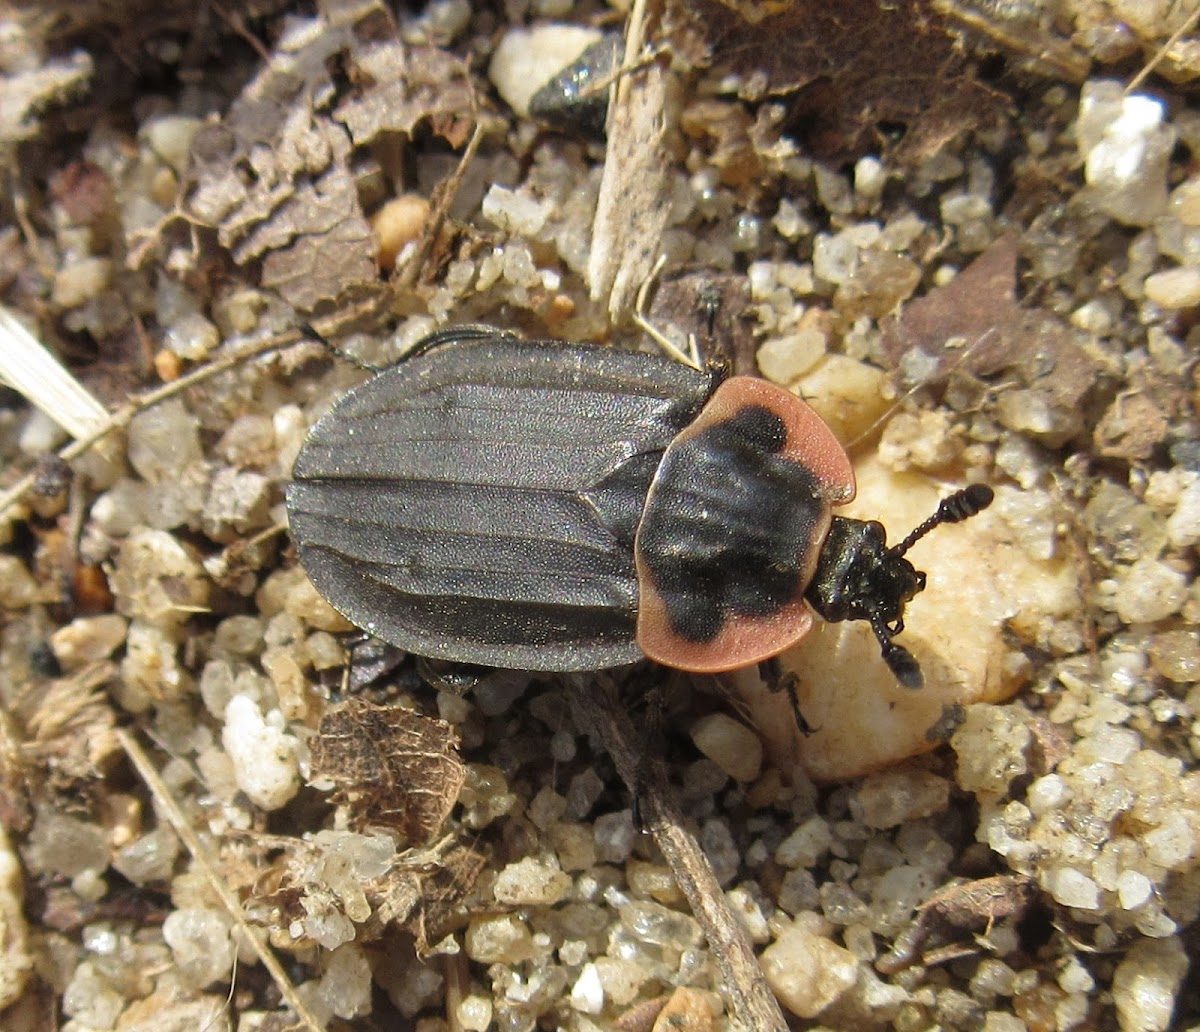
777	681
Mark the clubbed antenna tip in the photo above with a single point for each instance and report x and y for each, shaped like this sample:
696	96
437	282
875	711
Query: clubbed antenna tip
954	508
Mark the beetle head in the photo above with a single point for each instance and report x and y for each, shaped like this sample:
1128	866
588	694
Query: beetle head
859	577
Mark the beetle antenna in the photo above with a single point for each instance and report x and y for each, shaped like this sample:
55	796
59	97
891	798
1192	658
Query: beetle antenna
955	508
900	661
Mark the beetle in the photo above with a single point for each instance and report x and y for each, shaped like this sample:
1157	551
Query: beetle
550	506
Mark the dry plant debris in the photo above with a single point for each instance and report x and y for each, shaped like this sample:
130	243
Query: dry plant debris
847	67
967	231
397	768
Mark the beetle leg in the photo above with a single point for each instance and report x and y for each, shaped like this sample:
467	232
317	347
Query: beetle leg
455	678
778	681
655	698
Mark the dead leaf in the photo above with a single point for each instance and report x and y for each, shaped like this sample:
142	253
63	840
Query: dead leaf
975	324
848	65
276	178
399	766
967	906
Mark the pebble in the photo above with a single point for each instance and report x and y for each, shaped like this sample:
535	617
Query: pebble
162	440
786	358
192	337
263	754
807	971
498	939
18	589
345	985
730	745
531	882
1147	982
157	580
16	964
1126	150
170	137
1175	288
398	223
688	1010
1149	591
79	281
805	846
894	797
200	943
1072	888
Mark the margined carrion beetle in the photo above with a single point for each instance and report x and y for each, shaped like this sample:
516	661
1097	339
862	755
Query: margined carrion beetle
550	506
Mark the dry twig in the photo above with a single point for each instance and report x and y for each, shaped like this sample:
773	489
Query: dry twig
195	847
751	999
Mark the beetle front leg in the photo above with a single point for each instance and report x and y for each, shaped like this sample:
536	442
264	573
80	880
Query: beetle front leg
777	680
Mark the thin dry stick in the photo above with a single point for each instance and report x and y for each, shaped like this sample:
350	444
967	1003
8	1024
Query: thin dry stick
195	847
751	999
122	417
437	218
1160	56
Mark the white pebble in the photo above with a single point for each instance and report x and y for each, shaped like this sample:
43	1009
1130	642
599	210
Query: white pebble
80	281
1133	889
15	961
346	982
1150	591
730	745
263	754
587	994
1183	525
1175	288
1146	983
870	177
200	942
531	882
1172	843
783	360
1126	150
807	971
87	639
1072	888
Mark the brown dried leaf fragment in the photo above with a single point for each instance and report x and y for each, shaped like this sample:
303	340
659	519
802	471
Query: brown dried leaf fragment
974	324
401	86
275	177
849	65
967	906
68	725
400	766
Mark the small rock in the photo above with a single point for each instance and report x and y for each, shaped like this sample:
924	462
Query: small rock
1147	982
263	754
730	745
807	971
87	639
15	962
531	882
1175	288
